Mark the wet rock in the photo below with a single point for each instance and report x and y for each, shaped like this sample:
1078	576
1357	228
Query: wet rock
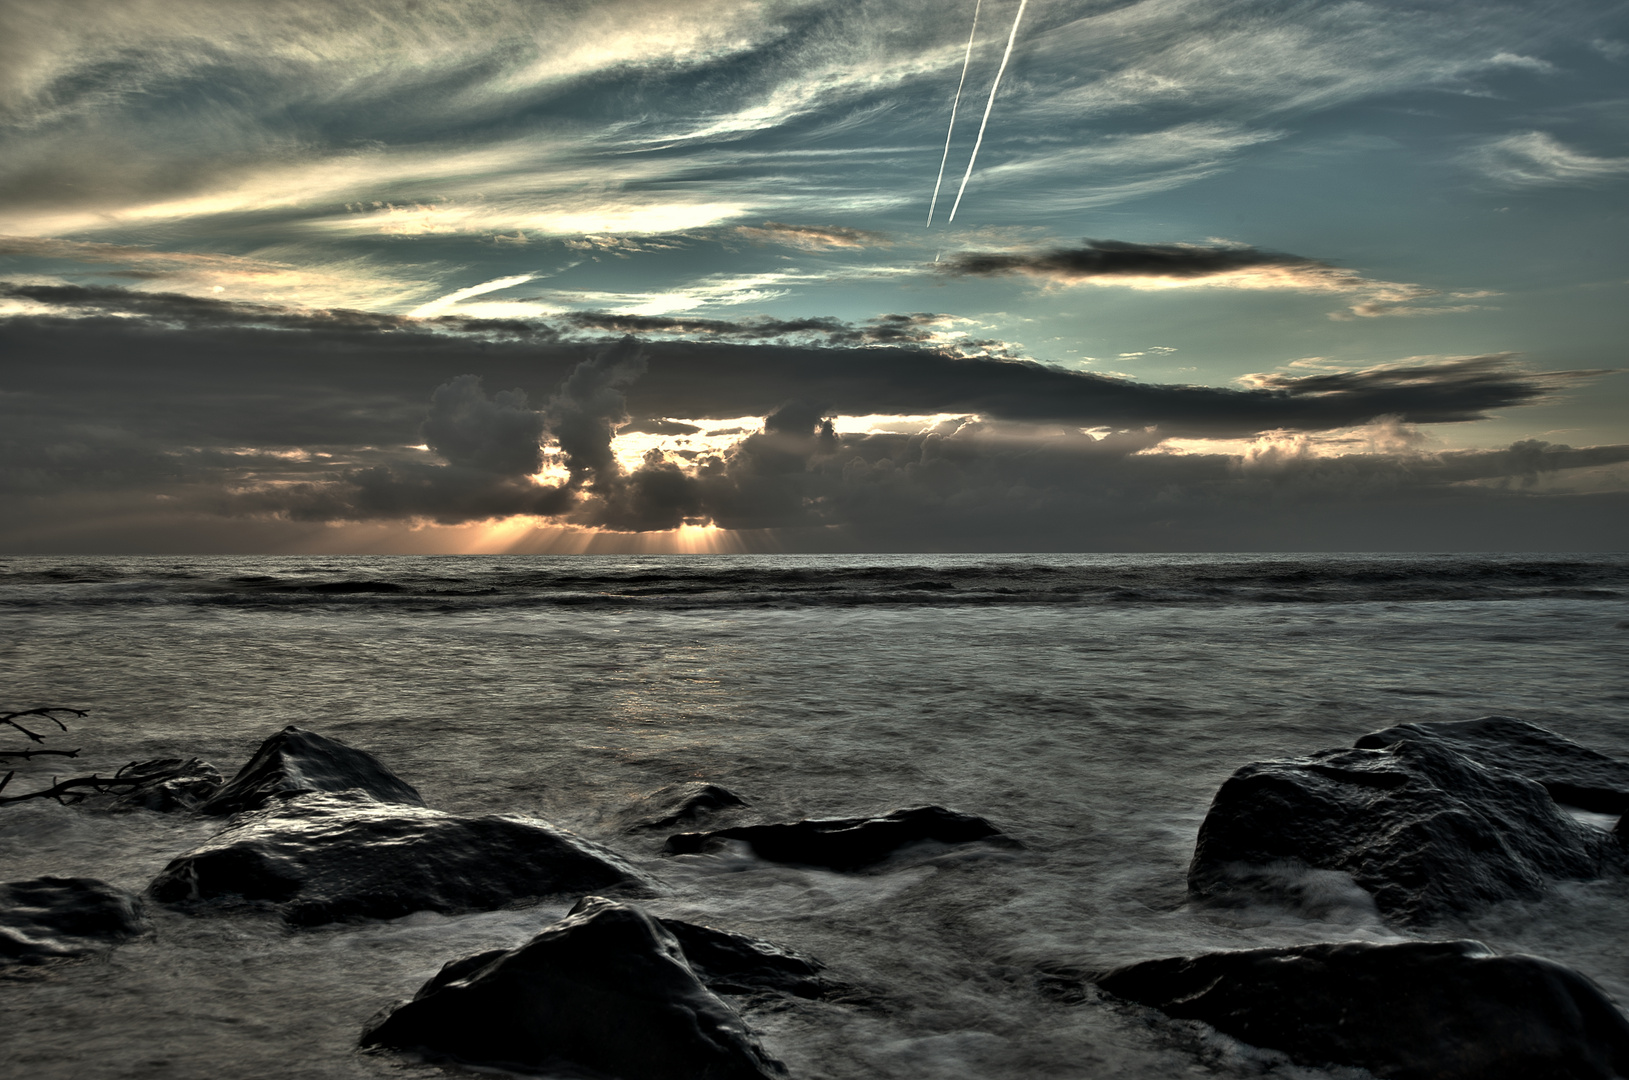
50	917
1419	1010
606	990
168	784
847	843
295	760
736	964
1572	774
1425	830
321	857
679	804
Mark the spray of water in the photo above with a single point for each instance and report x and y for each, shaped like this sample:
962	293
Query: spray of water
1013	36
966	60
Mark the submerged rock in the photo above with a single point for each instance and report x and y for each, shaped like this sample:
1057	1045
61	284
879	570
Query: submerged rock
50	917
1572	774
326	857
1425	830
847	843
168	784
1419	1010
679	804
607	989
295	760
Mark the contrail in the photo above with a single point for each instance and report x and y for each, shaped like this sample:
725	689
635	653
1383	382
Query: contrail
965	61
989	105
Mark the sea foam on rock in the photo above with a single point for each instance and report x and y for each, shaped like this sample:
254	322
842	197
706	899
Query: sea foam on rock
295	760
323	857
1573	774
1426	830
47	918
847	843
606	990
1418	1010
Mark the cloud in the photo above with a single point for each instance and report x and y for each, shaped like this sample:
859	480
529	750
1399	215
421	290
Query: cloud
811	237
1537	159
1222	266
318	421
497	434
903	364
1118	260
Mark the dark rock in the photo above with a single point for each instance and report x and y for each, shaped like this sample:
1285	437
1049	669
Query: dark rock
680	804
1419	1010
1572	774
51	917
607	990
326	857
168	784
1427	831
294	761
847	843
736	964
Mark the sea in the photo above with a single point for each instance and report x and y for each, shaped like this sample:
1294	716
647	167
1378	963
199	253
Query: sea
1088	705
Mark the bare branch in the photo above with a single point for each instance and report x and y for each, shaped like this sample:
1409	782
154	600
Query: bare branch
100	785
47	713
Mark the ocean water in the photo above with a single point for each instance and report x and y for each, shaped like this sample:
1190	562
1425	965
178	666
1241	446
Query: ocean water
1088	705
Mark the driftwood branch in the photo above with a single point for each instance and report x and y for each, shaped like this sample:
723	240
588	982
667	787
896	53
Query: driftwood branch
48	713
25	754
58	788
100	785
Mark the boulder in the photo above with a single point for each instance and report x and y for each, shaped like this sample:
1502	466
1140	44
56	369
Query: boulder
606	990
679	804
168	784
1572	774
1425	830
320	858
51	917
295	760
1418	1010
736	964
847	843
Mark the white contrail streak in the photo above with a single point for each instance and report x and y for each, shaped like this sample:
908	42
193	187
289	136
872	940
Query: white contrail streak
966	60
989	105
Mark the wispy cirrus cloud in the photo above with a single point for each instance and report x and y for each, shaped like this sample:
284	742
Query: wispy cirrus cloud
1538	159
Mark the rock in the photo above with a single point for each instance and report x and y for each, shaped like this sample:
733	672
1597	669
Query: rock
847	843
736	964
322	857
51	917
1419	1010
295	760
1425	830
168	784
679	804
606	990
1572	774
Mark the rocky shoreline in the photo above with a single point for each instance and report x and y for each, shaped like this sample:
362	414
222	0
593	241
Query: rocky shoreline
1425	821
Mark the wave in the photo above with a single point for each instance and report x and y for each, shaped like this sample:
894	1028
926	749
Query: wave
477	583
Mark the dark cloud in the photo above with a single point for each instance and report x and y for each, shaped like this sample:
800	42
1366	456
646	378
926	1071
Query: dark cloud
203	409
499	434
344	378
1118	258
589	407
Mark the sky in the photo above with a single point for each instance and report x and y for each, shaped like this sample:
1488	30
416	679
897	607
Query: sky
554	276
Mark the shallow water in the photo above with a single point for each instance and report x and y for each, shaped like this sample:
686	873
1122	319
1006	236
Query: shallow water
1088	705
